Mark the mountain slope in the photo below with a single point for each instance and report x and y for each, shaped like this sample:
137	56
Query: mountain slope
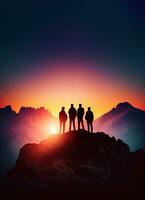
92	165
125	122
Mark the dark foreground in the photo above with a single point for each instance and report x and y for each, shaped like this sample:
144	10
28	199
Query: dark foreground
77	165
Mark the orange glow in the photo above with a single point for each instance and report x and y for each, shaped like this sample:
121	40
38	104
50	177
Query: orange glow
60	84
52	129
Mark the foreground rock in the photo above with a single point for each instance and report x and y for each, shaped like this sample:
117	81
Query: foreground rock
77	161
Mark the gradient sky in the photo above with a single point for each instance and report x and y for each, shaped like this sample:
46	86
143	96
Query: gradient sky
54	53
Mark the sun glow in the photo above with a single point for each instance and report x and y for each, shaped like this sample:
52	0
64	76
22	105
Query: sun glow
60	83
53	129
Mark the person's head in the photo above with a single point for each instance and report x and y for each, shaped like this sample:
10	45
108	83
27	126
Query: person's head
80	105
72	105
89	108
63	108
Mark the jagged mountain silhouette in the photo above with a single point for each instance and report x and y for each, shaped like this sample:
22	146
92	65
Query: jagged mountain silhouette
17	129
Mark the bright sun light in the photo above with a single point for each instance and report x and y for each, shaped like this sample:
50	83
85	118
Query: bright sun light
53	129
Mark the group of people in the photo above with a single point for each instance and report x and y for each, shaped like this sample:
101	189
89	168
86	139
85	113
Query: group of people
73	113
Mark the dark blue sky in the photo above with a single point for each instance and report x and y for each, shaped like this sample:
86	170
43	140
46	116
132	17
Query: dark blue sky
110	31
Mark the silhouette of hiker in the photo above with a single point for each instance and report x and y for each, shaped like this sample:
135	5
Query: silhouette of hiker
62	119
72	116
80	114
89	118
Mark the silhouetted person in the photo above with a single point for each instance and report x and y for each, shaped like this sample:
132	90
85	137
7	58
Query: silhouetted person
62	119
72	116
89	118
80	114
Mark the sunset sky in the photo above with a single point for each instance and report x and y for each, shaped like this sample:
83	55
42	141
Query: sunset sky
54	53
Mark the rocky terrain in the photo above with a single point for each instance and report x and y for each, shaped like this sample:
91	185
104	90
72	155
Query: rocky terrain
78	164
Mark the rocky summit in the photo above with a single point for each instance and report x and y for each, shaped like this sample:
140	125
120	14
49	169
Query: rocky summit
75	163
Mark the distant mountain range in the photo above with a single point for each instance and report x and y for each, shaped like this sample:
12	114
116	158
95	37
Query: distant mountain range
30	125
125	122
17	129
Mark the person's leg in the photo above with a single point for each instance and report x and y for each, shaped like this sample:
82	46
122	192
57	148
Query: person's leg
91	127
70	121
82	122
88	125
78	124
60	127
63	127
74	124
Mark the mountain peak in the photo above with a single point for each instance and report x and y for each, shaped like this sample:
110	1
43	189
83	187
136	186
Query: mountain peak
124	105
7	109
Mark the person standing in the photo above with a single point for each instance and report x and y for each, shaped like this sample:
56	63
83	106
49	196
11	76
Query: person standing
80	114
72	116
89	118
62	119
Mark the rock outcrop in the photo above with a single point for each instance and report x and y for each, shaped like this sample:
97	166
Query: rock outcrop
71	161
79	165
75	159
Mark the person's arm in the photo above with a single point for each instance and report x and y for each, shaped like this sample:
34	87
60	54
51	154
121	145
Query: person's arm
92	116
59	114
65	116
86	116
83	111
